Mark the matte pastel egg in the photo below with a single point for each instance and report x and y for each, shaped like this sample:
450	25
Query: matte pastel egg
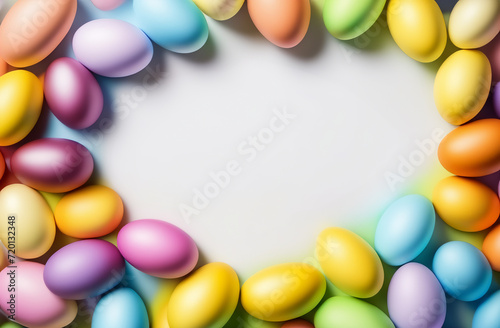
83	269
282	22
107	4
120	308
220	9
52	165
2	166
415	298
487	314
474	23
89	212
31	30
207	298
466	204
72	93
176	25
283	292
491	248
35	306
349	262
158	248
297	323
418	28
347	19
112	47
462	86
27	219
345	311
462	270
22	98
471	150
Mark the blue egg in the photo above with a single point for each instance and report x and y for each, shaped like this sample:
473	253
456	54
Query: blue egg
488	314
405	229
462	270
176	25
120	309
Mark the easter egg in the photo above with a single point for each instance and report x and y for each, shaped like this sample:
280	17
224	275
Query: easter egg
4	259
282	22
415	298
418	28
487	314
72	93
2	166
297	323
176	25
474	23
90	212
462	86
171	253
349	262
107	4
466	204
220	9
112	47
205	299
496	98
83	269
3	67
22	98
491	248
27	225
33	305
52	164
462	270
120	308
31	30
283	292
471	150
346	19
404	229
345	311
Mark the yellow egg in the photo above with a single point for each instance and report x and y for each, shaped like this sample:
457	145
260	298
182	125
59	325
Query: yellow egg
90	212
466	204
219	9
349	262
283	292
205	299
27	223
474	23
462	86
21	95
418	27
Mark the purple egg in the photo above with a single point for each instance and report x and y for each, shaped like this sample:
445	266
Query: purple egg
415	298
72	93
83	269
158	248
496	99
52	165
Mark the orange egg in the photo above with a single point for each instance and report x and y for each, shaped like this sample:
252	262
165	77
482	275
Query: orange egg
283	22
472	149
491	248
297	323
31	30
3	67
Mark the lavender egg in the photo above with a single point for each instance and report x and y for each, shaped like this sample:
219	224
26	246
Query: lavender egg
112	48
52	165
72	93
83	269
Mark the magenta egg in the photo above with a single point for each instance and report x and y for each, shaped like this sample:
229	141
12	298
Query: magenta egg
83	269
52	165
107	4
158	248
72	93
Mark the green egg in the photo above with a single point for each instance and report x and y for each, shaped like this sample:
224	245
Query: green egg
348	19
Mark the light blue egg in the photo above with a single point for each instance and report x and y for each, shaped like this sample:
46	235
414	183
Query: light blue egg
488	313
462	270
176	25
122	308
405	229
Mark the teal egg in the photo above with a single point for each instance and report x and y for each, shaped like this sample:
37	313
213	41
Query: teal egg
176	25
121	308
405	229
488	313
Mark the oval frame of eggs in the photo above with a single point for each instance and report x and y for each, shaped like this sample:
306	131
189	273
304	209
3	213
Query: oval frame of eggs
116	274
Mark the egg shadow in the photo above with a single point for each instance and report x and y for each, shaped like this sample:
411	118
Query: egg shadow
242	23
203	55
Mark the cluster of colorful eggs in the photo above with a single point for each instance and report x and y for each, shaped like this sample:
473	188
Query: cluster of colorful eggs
44	295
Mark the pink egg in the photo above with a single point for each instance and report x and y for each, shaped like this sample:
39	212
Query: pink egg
72	93
107	4
158	248
24	296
